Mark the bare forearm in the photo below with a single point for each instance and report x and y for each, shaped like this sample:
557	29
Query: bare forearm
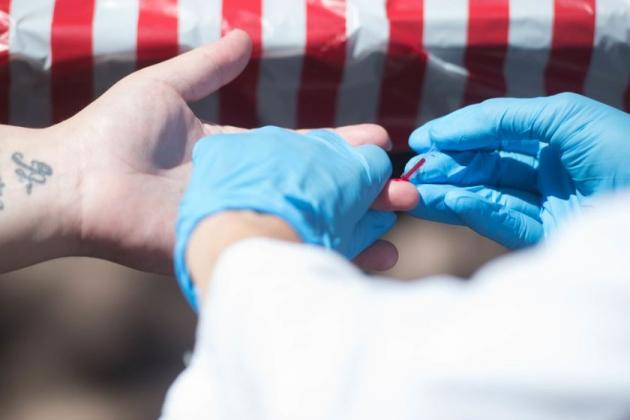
39	209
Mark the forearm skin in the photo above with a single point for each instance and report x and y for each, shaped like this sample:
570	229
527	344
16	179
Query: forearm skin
39	200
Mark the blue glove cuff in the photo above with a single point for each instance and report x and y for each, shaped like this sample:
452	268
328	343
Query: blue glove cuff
280	208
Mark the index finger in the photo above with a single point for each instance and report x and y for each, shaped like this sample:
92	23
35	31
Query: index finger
496	124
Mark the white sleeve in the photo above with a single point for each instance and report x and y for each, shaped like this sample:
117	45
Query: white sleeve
295	332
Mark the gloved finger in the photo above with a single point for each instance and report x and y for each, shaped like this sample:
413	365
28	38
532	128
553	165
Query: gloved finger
360	134
491	123
378	167
433	197
380	256
375	161
431	204
423	144
397	196
508	227
516	200
198	73
496	168
368	229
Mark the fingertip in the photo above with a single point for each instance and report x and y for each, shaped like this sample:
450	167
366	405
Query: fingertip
379	136
200	72
240	41
406	195
381	256
240	45
397	195
240	34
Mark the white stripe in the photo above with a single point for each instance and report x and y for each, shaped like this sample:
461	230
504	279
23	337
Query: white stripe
115	33
367	32
529	40
445	36
283	44
610	65
199	24
29	46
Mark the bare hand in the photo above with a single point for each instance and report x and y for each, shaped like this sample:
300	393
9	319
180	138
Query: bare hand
134	147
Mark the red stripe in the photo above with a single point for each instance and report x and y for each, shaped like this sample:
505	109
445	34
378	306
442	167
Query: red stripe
5	6
323	64
488	29
71	53
237	101
571	46
158	37
404	69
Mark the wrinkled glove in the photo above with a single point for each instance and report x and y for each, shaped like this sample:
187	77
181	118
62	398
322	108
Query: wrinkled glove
514	169
316	182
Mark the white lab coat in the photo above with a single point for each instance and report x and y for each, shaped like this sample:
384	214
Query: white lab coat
295	332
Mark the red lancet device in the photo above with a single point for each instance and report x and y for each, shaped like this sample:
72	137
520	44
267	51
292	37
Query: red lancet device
407	175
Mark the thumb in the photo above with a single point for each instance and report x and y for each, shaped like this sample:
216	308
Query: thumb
200	72
378	168
508	227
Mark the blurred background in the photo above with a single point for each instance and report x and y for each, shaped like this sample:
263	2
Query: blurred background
87	339
90	340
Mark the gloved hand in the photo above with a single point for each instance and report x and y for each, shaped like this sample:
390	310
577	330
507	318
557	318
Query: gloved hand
316	182
514	169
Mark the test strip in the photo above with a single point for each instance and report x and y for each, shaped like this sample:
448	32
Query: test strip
415	168
5	80
570	57
71	53
324	61
404	68
237	101
488	31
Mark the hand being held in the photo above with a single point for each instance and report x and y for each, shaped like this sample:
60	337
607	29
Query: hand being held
133	146
316	182
514	169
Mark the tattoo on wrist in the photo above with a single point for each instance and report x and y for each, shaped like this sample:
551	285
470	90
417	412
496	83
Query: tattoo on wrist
32	173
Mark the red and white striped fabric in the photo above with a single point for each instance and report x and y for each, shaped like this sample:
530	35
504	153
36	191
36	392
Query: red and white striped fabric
319	62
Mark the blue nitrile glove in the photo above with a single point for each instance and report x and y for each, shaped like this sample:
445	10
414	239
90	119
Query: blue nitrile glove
513	169
316	182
